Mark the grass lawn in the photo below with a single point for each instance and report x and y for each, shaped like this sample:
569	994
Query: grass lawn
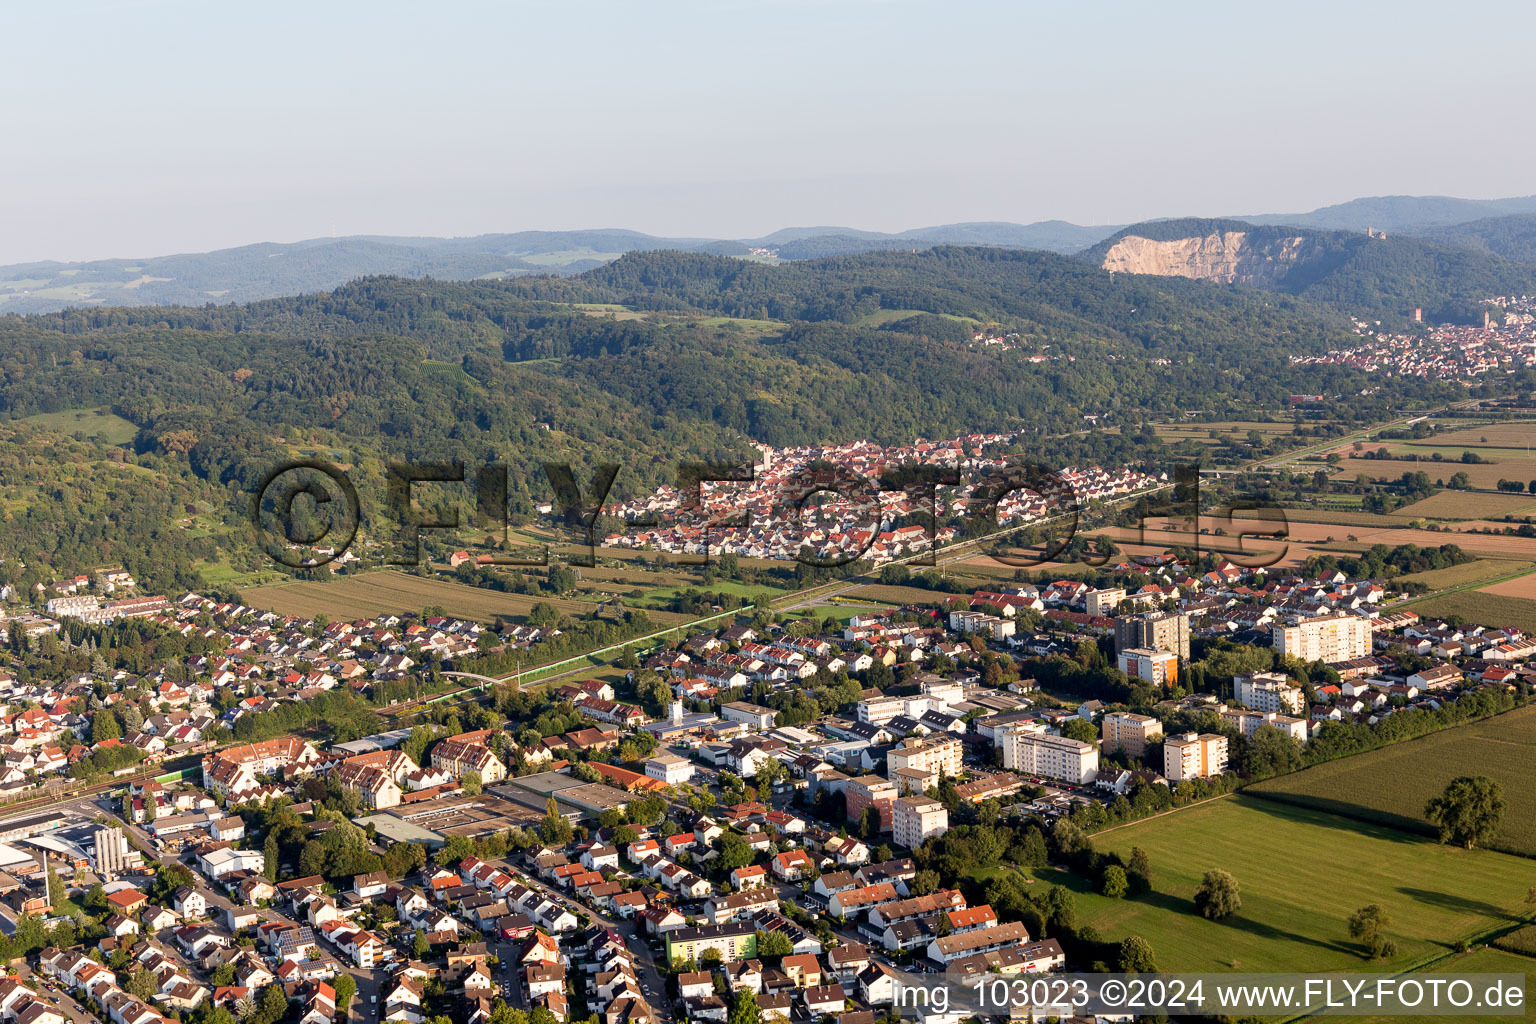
1476	961
105	427
1302	873
1390	786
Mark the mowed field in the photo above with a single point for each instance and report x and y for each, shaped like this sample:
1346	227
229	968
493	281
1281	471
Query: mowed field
1477	961
377	593
1302	873
1391	785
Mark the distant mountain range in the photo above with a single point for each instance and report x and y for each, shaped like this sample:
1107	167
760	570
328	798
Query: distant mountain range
1496	227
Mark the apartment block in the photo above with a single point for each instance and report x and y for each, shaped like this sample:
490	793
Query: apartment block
1029	749
1160	668
1157	631
868	791
1104	602
1329	638
935	755
914	819
1267	691
1129	732
1192	756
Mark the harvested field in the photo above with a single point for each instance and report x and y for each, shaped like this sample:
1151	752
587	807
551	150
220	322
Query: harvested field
1522	586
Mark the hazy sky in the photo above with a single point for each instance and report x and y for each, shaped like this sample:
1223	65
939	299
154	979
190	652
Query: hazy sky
155	127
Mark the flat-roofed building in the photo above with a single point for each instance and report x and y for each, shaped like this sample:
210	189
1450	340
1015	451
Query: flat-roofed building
1030	749
1157	631
1194	756
1160	668
1130	732
1267	691
915	818
1329	638
934	754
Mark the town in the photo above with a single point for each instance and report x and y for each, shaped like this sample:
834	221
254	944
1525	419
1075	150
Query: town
786	809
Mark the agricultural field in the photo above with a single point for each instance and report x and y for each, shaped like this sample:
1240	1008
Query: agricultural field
1466	573
1495	435
1459	505
376	593
1520	586
886	594
1482	608
1390	786
1505	464
106	427
1434	894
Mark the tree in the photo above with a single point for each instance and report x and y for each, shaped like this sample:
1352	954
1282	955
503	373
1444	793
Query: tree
419	944
744	1009
1469	811
1034	853
1136	956
274	1004
1114	884
104	727
142	984
470	783
1367	925
222	975
543	615
269	857
1139	872
346	987
734	852
56	894
1218	895
1080	729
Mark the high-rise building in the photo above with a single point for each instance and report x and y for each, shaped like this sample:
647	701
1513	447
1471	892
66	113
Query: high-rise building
1267	691
1158	631
1123	730
868	791
1329	638
1029	749
915	818
1192	756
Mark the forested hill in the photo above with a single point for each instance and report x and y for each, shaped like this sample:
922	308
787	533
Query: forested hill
647	362
711	350
1373	277
1512	237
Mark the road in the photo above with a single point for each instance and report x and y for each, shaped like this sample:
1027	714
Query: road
651	981
55	994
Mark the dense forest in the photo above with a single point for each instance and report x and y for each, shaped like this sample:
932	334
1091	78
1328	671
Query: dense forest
712	352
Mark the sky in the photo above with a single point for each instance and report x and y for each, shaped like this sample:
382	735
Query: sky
158	127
